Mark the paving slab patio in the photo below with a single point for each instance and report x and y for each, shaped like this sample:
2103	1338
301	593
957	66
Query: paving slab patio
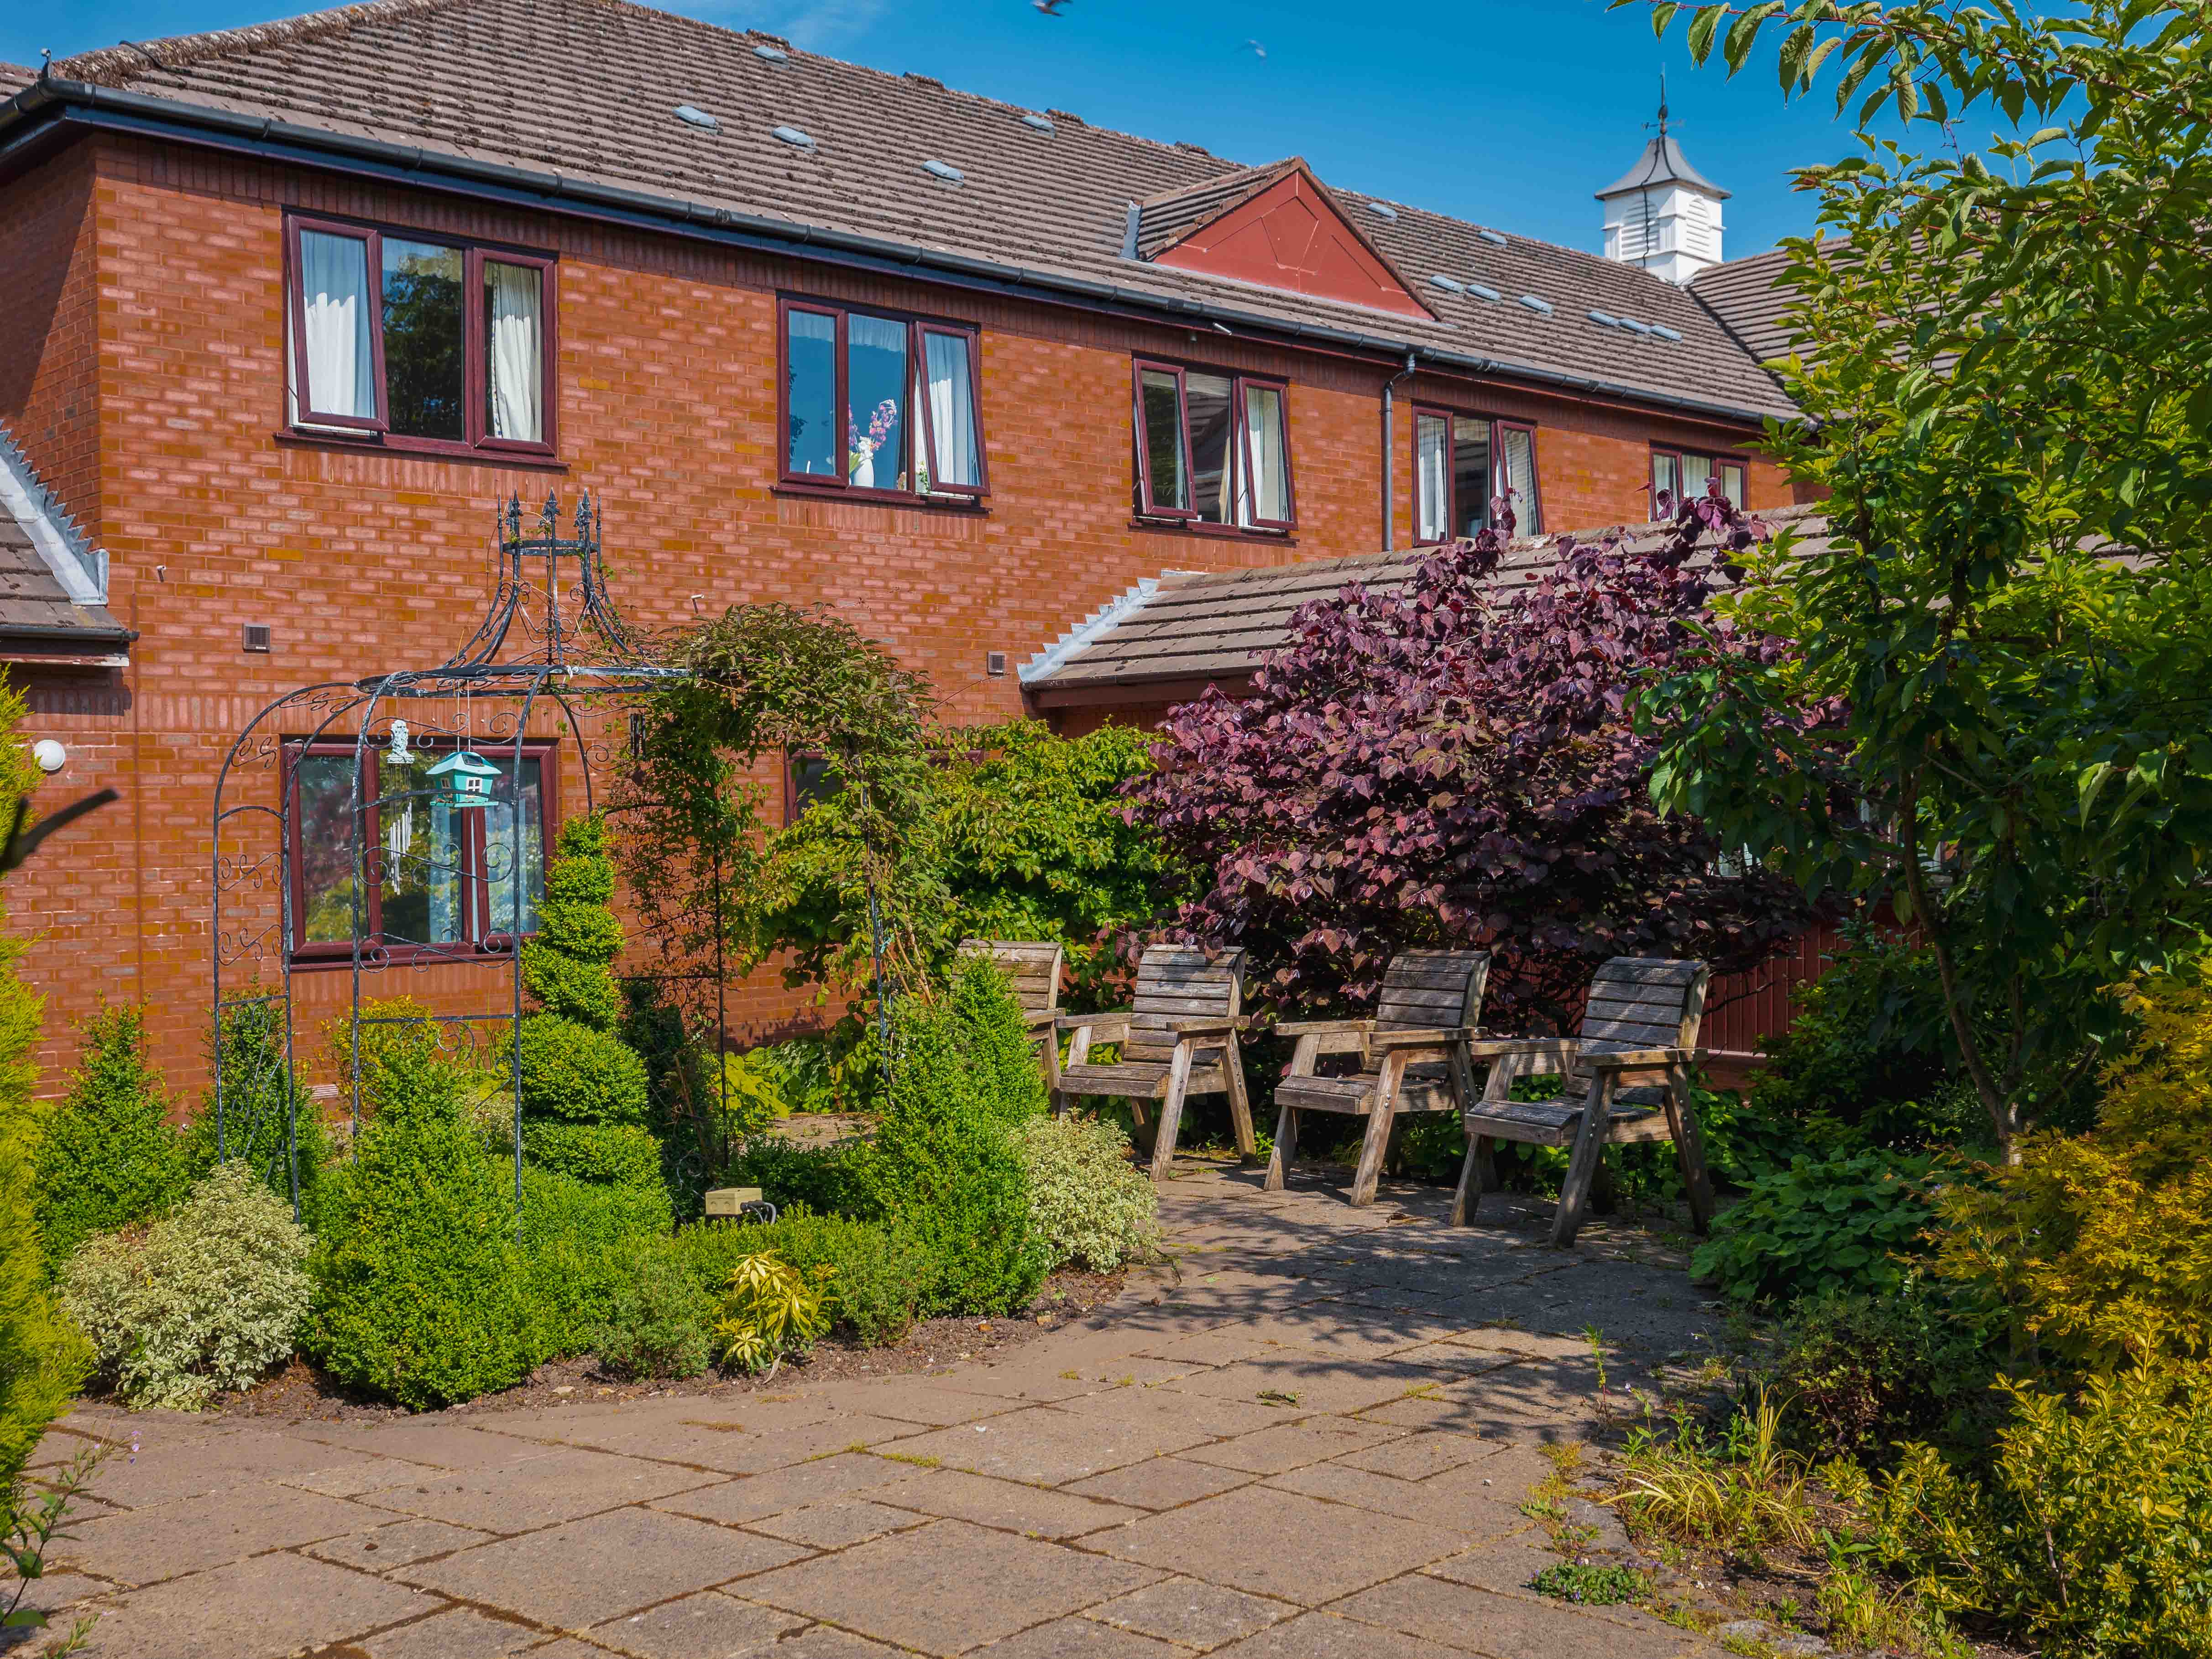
1308	1437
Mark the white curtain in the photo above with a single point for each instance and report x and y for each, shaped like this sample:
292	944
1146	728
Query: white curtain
1697	472
517	378
341	371
1520	448
1664	480
1431	478
952	409
1263	439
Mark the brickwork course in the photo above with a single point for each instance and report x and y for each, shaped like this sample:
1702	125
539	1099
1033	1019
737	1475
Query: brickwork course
143	248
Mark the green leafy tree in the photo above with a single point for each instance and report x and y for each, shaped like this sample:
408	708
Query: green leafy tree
110	1156
2007	630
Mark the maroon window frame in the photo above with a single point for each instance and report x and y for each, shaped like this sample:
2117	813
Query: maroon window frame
1498	428
477	935
475	349
1714	458
1240	491
921	424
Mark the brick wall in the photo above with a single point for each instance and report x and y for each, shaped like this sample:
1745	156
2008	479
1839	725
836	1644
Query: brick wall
161	268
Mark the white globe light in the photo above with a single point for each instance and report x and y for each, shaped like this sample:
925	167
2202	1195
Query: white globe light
50	755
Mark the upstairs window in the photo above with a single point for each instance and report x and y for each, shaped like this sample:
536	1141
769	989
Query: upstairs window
1212	448
880	405
1462	465
434	879
426	342
1681	473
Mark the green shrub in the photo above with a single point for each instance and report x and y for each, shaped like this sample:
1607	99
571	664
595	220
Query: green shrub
658	1320
623	1153
1088	1204
421	1295
565	966
574	1073
109	1157
1839	1223
572	1237
876	1275
744	1098
208	1300
268	1120
1861	1374
840	1180
950	1170
2089	1531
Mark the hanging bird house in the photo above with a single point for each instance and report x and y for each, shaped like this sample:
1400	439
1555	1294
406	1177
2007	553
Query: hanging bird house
466	777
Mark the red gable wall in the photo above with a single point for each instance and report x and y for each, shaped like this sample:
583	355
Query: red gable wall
1291	236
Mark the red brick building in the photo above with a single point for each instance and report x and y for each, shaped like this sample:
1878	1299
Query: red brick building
291	309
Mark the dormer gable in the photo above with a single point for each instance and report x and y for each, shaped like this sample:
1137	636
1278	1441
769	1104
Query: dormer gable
1278	227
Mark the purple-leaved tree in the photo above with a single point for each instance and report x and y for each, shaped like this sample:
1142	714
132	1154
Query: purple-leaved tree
1453	763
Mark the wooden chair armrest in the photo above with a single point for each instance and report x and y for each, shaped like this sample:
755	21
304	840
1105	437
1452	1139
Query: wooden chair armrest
1559	1049
1200	1027
1037	1021
1432	1036
1637	1059
1104	1028
1322	1027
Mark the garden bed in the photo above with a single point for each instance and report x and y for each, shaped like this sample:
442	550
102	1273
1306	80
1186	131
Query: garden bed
300	1392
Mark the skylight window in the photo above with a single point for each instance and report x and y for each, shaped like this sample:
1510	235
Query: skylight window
1382	210
1493	237
1043	123
1450	284
1635	327
1483	291
943	170
1535	304
772	54
793	137
1605	320
1664	333
697	117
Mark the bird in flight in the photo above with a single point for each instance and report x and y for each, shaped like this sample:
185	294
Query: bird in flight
1049	8
1257	48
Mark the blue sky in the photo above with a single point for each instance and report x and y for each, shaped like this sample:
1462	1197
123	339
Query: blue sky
1506	111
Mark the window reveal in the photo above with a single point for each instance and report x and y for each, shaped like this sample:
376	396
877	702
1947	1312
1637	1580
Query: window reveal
1682	475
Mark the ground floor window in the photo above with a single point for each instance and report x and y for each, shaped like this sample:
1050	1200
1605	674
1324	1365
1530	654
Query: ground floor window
436	875
1463	466
1680	473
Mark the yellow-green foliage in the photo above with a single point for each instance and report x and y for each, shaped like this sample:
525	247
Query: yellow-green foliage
770	1309
1088	1203
2093	1532
42	1357
208	1299
2101	1244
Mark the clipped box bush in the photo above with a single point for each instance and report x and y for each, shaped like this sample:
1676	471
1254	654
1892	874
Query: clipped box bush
210	1298
576	1072
840	1180
659	1321
1088	1203
876	1273
620	1154
109	1156
574	1235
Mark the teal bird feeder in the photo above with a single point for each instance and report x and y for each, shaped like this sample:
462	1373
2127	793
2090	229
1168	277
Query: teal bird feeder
467	778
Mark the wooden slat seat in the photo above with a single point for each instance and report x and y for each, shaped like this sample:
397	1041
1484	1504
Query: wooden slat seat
1032	967
1624	1077
1178	1038
1413	1058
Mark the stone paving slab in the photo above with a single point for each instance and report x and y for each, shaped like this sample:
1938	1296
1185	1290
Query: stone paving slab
1116	1489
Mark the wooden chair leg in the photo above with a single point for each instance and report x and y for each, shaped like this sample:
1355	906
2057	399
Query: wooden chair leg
1468	1197
1478	1171
1582	1165
1240	1107
1689	1147
1164	1141
1286	1148
1383	1110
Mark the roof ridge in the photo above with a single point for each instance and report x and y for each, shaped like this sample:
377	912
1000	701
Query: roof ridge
1256	177
178	51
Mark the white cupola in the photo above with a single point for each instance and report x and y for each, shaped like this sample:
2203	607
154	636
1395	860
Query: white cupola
1663	214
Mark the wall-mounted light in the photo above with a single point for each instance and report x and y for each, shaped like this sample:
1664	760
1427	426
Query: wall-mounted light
50	755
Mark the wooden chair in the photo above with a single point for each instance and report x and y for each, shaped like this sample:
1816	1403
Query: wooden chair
1626	1077
1033	966
1412	1059
1179	1039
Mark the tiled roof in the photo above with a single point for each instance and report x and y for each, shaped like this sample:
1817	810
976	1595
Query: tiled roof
52	580
14	77
1194	626
1748	299
587	89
